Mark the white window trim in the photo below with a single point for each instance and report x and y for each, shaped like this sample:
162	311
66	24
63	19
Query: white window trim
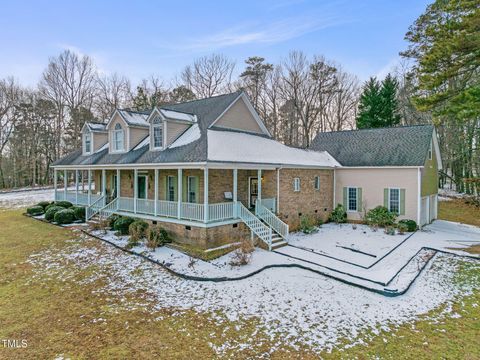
348	199
125	136
315	183
295	184
399	200
91	143
163	127
188	189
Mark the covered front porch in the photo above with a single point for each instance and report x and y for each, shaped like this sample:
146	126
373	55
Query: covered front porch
197	196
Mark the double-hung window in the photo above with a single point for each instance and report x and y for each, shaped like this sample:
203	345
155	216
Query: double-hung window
192	189
352	200
296	184
394	200
158	136
88	142
118	138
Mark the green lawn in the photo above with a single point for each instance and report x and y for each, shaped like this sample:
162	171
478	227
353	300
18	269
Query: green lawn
55	317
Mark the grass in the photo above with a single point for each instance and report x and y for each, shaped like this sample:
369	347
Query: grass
459	211
58	317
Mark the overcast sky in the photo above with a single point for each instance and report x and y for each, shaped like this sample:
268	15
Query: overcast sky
139	38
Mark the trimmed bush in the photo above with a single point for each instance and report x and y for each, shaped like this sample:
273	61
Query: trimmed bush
137	230
157	236
51	211
307	225
65	216
411	224
64	204
79	212
122	224
112	219
44	204
380	216
35	210
339	215
389	230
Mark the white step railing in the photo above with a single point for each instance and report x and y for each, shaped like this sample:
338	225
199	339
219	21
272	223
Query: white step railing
272	220
109	209
94	207
220	211
259	228
270	204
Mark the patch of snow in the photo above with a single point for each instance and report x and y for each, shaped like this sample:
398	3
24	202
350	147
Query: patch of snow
241	147
134	118
142	143
21	199
177	115
103	147
189	136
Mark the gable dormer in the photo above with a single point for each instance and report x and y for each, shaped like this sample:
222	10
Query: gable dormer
240	115
167	125
126	129
94	137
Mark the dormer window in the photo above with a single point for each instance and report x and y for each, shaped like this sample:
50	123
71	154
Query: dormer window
118	138
158	136
87	142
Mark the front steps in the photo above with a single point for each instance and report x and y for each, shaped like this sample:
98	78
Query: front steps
278	241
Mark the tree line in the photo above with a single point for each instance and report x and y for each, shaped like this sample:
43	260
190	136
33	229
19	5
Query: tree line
438	82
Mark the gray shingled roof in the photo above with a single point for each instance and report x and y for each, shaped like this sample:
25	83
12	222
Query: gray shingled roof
396	146
207	111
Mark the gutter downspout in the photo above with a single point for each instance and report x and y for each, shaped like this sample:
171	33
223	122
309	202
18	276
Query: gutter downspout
334	187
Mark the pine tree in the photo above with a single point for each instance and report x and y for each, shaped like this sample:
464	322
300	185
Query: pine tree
141	101
378	104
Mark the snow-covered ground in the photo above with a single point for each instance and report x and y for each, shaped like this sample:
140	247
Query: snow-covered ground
21	199
293	306
396	266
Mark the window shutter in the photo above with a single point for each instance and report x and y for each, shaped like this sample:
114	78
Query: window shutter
385	197
175	188
402	201
345	197
197	189
359	199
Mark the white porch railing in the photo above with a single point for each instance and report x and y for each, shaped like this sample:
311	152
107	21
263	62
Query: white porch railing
145	206
272	220
192	211
167	208
125	204
220	211
72	197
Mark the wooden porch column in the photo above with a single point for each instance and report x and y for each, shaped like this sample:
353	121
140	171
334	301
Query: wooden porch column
155	198
179	193
135	190
55	184
76	187
205	195
104	182
259	181
118	183
89	187
235	186
65	184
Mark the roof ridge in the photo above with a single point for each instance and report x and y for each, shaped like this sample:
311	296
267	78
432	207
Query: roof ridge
207	98
374	129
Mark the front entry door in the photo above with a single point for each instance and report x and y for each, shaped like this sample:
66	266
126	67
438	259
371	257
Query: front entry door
142	187
253	187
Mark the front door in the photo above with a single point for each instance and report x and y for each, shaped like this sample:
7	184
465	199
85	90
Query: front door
253	190
142	187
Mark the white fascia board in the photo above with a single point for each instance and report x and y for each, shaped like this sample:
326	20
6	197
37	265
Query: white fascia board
437	150
379	167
